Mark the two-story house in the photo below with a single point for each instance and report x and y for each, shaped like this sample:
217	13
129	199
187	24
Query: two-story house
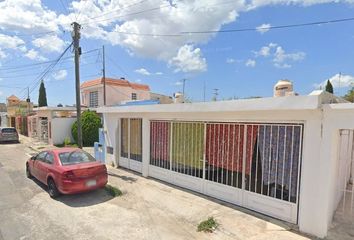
117	92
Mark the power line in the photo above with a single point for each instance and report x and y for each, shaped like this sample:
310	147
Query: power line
36	34
120	9
130	14
272	27
47	70
184	33
34	74
46	62
65	9
117	66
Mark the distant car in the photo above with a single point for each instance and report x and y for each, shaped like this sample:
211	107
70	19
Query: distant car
8	134
67	171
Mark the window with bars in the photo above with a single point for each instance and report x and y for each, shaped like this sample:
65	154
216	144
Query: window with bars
93	99
134	96
131	138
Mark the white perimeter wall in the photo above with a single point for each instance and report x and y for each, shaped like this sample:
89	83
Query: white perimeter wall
3	117
61	128
315	201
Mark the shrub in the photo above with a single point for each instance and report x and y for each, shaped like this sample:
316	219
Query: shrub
113	191
67	141
208	225
90	123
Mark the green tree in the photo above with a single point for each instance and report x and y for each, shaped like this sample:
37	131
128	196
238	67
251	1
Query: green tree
329	87
350	95
42	98
90	122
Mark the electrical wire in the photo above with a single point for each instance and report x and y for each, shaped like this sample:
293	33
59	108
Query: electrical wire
47	70
129	14
120	9
185	33
43	63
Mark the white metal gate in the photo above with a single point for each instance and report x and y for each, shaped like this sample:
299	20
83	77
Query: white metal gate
131	143
255	165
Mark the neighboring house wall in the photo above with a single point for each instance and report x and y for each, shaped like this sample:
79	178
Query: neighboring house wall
61	129
115	94
3	120
163	99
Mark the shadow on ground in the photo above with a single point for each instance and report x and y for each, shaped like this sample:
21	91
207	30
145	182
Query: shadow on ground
123	177
81	199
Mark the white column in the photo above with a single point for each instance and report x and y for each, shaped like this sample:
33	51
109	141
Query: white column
146	147
315	178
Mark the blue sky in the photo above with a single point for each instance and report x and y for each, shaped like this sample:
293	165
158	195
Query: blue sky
240	64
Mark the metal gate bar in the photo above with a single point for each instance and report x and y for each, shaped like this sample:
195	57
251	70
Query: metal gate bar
263	158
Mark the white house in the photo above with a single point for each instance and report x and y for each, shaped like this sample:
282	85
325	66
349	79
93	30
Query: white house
287	157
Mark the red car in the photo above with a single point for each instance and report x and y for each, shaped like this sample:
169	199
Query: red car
67	171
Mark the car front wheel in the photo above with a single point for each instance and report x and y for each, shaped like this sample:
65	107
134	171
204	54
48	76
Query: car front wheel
52	189
28	172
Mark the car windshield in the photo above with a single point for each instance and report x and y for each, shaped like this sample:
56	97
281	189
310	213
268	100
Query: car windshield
8	130
69	158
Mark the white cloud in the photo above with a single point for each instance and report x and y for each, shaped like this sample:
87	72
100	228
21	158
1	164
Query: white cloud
1	93
265	50
178	83
230	60
279	56
189	59
60	75
143	71
265	27
27	16
11	42
338	81
34	55
2	55
49	43
250	63
159	73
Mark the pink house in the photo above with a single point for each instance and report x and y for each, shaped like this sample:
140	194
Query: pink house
117	91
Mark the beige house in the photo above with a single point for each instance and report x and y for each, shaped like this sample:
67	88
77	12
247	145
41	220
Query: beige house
17	107
117	91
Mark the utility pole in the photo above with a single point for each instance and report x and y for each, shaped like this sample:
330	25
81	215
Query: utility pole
76	40
28	100
216	94
184	84
204	88
104	76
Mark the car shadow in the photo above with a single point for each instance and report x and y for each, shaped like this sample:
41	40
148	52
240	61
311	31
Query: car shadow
86	199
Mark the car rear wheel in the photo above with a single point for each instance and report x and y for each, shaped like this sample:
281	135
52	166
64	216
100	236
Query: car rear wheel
52	189
28	172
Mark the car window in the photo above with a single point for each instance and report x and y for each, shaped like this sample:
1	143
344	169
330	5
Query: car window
41	156
49	158
69	158
8	130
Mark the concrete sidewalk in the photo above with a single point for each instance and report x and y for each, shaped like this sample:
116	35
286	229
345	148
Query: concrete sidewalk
37	146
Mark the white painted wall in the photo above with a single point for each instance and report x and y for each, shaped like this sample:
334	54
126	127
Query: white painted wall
3	117
320	141
61	128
